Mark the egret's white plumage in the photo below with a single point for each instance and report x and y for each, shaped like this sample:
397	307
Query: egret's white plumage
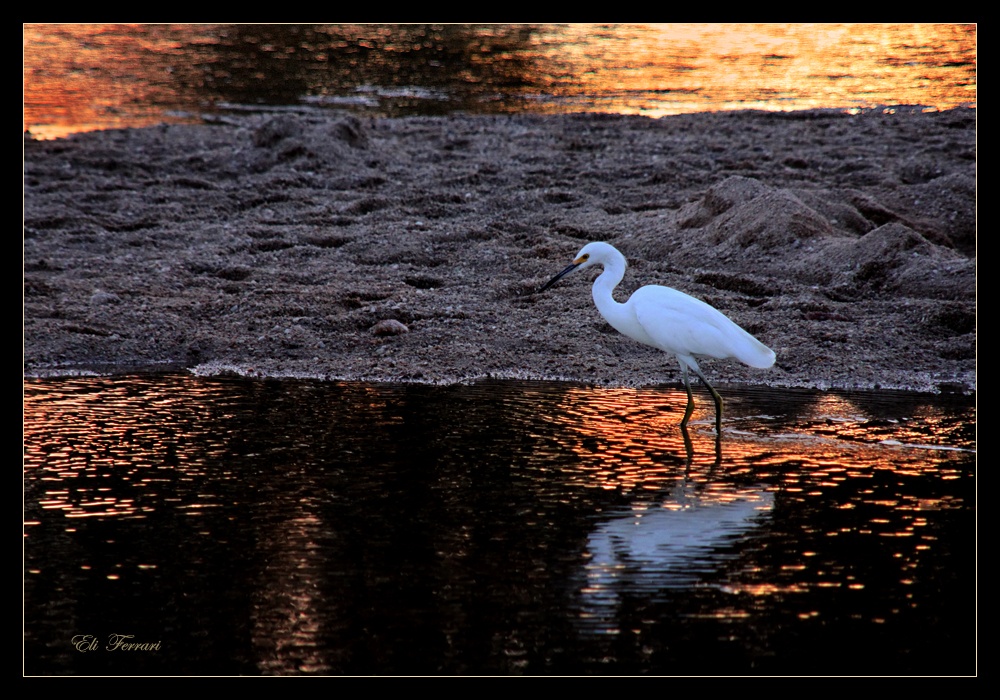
670	320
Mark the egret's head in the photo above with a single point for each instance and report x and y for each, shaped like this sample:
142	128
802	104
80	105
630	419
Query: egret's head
588	255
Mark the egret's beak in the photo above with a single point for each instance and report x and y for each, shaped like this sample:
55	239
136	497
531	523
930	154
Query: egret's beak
562	274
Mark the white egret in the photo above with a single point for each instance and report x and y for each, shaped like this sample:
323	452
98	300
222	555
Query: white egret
669	320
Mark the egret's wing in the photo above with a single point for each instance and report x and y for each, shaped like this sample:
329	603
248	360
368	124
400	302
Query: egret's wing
680	324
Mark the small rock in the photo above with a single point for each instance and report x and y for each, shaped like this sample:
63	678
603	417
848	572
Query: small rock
389	327
100	297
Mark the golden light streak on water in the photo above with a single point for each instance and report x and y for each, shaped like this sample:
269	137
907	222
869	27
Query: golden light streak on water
81	77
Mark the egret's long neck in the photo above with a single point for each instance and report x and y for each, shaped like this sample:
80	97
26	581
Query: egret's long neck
615	313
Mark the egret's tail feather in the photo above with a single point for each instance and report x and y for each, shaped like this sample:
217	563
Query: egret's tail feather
756	354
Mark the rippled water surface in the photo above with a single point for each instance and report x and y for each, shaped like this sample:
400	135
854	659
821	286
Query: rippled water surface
80	77
290	527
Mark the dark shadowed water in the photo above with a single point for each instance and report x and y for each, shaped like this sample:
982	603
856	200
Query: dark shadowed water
235	526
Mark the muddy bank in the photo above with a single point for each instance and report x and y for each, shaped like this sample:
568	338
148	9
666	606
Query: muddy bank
315	245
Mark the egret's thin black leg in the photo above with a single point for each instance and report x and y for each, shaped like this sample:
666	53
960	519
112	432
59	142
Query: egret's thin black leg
690	406
718	401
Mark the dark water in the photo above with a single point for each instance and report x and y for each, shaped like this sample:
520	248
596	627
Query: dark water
300	527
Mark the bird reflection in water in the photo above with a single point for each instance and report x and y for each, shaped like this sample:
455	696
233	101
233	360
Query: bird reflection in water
681	542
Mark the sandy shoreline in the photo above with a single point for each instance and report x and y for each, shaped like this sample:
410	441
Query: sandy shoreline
275	245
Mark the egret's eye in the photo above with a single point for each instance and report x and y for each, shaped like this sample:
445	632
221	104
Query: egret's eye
582	259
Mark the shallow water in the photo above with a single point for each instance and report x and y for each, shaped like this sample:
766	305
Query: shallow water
80	77
242	526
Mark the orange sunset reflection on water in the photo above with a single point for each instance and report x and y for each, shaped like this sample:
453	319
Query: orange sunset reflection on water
880	483
630	440
659	70
290	513
81	77
102	451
